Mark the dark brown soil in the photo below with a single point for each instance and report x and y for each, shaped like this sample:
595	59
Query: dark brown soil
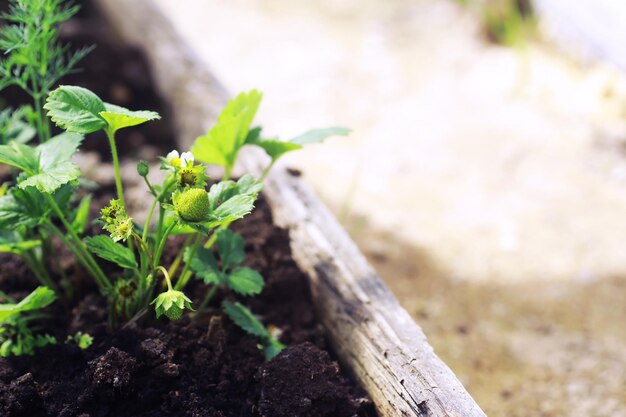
184	368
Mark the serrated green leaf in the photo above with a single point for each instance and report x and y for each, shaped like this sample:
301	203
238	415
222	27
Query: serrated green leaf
81	215
119	117
76	109
244	318
233	209
222	142
245	281
222	191
20	156
105	248
52	179
204	265
34	204
12	214
248	185
275	148
272	348
28	207
54	167
230	246
253	134
40	298
319	135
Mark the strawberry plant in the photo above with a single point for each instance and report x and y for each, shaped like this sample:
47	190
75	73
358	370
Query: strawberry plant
40	205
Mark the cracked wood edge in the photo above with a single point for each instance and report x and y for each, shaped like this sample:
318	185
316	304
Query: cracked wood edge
373	336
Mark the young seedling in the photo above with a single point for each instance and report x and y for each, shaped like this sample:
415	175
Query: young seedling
32	56
82	340
243	317
17	331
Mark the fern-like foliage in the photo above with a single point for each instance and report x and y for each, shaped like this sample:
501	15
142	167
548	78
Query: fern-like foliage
31	54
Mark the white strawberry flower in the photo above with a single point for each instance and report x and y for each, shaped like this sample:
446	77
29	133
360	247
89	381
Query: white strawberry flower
175	160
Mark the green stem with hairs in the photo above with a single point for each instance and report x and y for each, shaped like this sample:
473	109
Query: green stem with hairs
40	272
205	302
88	260
185	275
161	245
116	165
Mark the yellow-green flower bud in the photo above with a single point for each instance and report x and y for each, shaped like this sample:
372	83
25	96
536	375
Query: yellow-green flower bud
121	229
192	204
111	212
171	304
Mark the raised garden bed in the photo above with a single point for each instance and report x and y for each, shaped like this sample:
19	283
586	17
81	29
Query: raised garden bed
319	289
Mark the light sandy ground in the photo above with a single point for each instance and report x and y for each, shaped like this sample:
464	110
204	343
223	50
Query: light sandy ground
487	185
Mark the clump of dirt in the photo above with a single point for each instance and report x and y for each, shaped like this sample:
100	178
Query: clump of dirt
325	394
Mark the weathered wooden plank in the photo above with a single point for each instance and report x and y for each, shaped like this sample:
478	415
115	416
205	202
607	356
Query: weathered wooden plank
373	335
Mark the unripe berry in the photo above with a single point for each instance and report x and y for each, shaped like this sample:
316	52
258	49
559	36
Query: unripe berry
193	204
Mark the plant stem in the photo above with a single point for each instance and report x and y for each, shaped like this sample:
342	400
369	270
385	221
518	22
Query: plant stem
39	271
184	275
167	277
41	122
227	172
159	249
116	165
207	299
79	255
150	187
88	260
174	267
146	227
267	170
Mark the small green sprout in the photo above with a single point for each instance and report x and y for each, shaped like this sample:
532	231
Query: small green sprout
243	317
17	336
82	340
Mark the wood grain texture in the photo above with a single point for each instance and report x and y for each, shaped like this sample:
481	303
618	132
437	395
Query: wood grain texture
374	337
